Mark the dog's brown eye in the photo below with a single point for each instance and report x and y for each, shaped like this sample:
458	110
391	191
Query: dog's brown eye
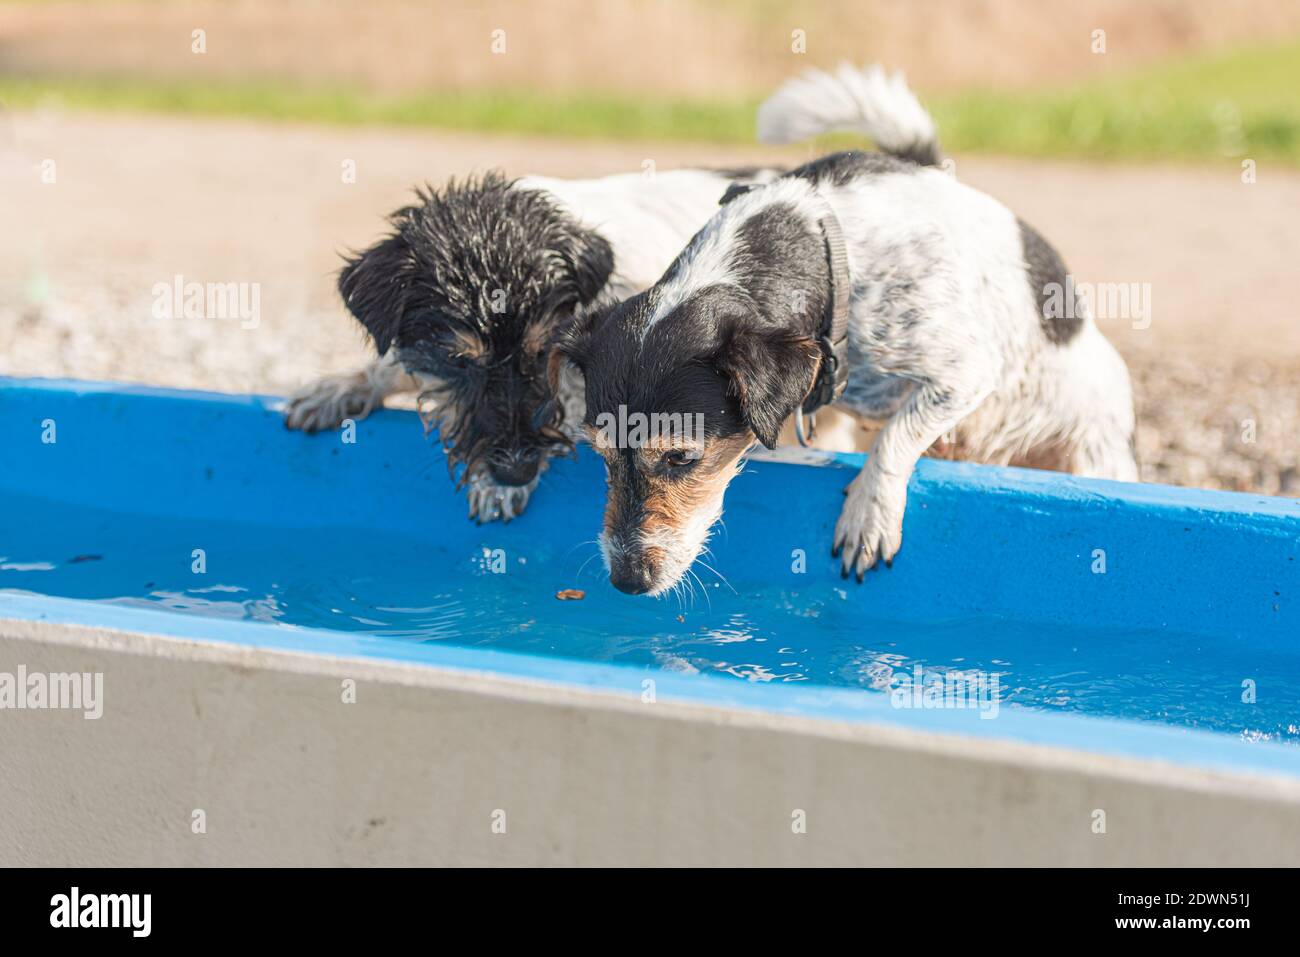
680	457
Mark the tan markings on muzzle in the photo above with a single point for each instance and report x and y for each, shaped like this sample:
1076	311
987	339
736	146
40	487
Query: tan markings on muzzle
672	502
613	508
613	514
600	440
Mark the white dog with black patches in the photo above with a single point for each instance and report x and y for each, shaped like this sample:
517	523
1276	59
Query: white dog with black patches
871	280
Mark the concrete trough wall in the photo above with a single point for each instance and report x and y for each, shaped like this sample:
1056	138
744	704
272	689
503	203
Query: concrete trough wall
428	765
231	742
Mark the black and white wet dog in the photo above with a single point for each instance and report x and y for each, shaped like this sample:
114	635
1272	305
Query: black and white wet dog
872	280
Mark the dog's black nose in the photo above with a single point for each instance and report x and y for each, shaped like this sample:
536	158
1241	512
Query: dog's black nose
515	472
632	578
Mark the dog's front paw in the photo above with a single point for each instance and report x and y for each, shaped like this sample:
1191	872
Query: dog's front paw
870	527
489	501
325	404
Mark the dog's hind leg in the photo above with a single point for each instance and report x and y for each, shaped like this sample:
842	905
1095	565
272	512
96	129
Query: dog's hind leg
870	527
325	403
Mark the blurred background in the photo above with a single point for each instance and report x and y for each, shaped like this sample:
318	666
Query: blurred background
1155	143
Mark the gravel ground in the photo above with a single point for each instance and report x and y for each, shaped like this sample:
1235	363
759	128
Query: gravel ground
1230	424
138	201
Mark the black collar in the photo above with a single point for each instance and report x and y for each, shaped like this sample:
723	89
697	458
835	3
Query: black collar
833	375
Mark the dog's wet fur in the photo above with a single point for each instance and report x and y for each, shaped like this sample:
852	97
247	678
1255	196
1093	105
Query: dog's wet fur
467	290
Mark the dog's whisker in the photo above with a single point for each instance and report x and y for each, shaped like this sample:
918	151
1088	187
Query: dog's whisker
590	541
707	597
689	590
587	561
722	578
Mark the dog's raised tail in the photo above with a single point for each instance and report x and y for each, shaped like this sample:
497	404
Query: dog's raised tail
865	100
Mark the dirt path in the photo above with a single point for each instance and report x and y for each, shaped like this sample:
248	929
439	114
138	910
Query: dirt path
135	202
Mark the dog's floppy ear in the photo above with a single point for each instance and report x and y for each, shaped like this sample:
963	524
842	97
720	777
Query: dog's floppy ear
569	345
589	259
374	286
771	372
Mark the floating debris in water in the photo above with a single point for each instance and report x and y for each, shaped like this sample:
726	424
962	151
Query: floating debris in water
570	594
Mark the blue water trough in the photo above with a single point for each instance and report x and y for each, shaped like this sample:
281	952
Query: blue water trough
1140	633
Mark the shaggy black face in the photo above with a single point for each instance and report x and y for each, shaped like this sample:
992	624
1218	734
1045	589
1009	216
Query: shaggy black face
469	288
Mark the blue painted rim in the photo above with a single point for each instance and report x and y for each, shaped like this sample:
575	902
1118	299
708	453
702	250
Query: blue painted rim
1143	741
